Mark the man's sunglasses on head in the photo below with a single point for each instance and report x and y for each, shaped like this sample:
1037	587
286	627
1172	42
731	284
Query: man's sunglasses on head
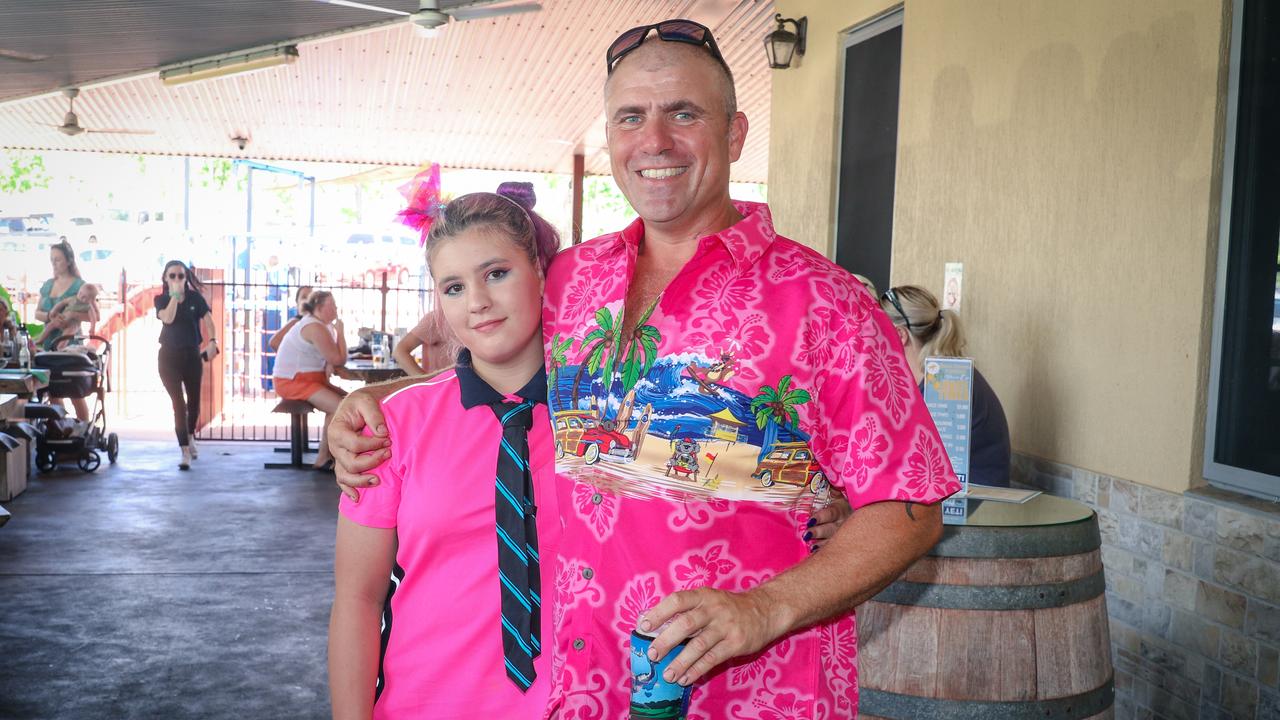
684	31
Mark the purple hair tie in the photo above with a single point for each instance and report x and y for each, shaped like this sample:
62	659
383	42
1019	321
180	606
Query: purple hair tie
520	193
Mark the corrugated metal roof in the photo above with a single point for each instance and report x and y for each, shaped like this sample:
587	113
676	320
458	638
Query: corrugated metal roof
513	93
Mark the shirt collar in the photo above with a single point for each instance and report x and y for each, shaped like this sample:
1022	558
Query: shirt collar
475	391
745	240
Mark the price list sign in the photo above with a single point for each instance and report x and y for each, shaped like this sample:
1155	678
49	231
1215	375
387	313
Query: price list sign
948	393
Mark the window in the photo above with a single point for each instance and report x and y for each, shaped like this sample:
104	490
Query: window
1242	437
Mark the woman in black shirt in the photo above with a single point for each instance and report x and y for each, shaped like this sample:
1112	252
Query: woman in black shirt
181	308
926	330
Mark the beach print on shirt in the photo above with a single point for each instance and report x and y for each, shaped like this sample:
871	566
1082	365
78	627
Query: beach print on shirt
676	425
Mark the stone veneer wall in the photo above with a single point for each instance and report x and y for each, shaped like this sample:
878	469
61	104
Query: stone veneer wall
1193	591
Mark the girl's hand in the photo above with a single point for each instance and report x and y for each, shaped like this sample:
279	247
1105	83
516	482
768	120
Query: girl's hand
211	350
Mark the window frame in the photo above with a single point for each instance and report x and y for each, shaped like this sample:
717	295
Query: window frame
1222	475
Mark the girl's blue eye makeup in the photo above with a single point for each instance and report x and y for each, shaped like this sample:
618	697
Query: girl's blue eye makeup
453	289
498	274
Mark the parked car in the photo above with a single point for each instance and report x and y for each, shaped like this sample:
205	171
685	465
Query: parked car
580	432
791	463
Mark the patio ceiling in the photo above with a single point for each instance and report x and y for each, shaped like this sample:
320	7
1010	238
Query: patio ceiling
520	92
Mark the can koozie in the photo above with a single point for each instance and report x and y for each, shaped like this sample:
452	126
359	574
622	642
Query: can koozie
652	696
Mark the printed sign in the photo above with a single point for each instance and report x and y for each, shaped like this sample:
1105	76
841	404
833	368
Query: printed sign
948	393
952	284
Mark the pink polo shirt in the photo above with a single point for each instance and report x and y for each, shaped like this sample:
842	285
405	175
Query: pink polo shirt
443	644
694	455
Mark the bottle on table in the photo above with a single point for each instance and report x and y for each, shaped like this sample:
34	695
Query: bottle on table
24	354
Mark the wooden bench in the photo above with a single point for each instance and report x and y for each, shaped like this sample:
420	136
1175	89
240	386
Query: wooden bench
298	411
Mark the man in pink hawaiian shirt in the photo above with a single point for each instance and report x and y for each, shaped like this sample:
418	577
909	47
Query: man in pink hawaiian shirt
710	382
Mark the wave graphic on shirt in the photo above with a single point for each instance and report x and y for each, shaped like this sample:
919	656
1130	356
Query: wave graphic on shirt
678	433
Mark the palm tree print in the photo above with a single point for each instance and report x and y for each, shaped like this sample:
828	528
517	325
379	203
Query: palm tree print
598	348
775	408
641	350
559	358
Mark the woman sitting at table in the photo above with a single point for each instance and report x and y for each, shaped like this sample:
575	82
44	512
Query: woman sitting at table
926	330
308	354
435	339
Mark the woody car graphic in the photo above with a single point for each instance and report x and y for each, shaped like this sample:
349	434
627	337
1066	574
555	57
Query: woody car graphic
581	433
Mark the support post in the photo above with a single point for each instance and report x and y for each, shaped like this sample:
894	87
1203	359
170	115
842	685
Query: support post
579	172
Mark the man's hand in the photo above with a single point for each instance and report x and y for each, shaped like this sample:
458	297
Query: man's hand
824	523
720	626
354	453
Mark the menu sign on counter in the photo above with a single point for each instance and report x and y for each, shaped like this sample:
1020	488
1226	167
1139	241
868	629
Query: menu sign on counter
948	393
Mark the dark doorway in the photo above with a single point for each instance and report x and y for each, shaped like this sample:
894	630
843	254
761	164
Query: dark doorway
869	148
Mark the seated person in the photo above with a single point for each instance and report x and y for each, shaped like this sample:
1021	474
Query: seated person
7	321
435	339
67	315
310	351
926	330
299	298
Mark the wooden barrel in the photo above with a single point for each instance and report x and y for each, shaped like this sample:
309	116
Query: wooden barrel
997	622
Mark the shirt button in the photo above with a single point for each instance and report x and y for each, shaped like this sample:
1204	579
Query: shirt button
588	573
595	499
579	644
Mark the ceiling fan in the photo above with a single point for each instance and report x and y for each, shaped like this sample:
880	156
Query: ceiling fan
431	15
71	124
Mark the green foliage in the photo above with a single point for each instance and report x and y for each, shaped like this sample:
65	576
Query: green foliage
778	405
559	358
24	173
217	173
601	194
641	350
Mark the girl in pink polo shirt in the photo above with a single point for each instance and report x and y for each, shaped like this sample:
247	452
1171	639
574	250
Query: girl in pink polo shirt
438	606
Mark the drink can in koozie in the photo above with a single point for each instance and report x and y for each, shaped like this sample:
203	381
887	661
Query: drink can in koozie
652	696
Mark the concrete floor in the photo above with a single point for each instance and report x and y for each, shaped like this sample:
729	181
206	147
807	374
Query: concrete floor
139	591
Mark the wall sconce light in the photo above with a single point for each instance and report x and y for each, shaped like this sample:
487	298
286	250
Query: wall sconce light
782	44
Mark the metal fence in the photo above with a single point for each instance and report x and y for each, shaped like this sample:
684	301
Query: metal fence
252	308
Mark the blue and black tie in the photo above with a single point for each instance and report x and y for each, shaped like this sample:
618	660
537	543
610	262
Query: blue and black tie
518	576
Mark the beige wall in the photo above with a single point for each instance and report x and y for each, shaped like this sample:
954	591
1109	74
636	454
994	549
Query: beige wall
1065	153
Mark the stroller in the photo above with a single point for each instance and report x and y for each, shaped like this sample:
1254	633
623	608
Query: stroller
74	373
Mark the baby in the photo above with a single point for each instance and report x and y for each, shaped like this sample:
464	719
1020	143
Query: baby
70	313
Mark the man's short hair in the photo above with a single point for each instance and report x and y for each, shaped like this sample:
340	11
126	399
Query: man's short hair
728	92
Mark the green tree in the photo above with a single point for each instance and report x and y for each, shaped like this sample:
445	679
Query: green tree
217	173
24	173
559	358
641	350
775	408
598	347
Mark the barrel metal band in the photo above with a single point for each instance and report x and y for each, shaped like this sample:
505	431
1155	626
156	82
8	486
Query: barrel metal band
886	704
994	597
963	541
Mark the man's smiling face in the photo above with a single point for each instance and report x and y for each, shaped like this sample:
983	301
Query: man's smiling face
670	138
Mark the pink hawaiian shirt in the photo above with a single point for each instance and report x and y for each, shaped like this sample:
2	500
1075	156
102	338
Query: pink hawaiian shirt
693	453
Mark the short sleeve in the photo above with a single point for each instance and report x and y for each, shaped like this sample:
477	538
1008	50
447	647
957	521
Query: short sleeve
161	302
379	505
46	301
202	306
875	437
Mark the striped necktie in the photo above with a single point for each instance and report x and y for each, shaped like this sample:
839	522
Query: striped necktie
518	576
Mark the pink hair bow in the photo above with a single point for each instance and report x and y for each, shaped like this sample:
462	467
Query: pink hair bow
425	201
